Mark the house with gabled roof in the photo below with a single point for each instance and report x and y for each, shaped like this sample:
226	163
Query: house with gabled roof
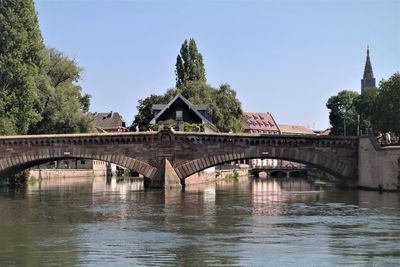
181	110
108	122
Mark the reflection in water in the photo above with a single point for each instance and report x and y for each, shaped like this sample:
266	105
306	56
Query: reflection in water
86	222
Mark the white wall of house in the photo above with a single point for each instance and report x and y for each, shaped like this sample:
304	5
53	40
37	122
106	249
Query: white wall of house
271	163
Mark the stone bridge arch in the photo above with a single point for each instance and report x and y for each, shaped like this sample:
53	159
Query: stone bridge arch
17	163
336	157
158	154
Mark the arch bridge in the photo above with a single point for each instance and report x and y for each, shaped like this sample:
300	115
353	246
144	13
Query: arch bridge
166	158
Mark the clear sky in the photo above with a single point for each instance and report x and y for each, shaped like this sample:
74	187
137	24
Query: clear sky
283	57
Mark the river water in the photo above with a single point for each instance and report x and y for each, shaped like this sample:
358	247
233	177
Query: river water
89	222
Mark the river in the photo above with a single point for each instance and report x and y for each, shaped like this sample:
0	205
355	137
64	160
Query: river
89	222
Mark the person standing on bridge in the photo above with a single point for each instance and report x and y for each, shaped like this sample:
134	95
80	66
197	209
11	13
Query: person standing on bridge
379	137
387	138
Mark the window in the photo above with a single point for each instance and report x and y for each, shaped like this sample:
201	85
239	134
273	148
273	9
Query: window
179	115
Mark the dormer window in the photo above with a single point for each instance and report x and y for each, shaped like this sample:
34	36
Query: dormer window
179	115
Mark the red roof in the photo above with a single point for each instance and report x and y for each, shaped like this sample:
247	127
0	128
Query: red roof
260	122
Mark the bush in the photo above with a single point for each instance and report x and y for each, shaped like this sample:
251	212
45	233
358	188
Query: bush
19	179
234	177
190	127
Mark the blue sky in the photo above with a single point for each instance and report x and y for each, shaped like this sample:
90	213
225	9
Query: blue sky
283	57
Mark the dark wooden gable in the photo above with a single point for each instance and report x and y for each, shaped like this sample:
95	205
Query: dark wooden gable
188	115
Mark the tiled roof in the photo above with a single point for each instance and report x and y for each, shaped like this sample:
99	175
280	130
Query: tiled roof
258	122
111	120
294	129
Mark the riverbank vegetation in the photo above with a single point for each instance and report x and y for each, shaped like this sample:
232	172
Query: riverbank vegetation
39	90
374	110
233	177
39	86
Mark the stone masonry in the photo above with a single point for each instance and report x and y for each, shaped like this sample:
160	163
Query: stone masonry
177	155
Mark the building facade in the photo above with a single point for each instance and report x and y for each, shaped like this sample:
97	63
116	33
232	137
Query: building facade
181	110
261	123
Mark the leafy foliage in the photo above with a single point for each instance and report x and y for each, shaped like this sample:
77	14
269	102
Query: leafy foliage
343	111
233	177
62	106
21	48
379	108
366	107
189	64
227	112
39	92
387	116
145	115
191	127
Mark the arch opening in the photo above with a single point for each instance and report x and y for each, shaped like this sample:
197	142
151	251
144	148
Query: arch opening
186	169
133	165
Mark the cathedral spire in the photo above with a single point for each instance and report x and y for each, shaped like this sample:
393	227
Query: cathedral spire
368	79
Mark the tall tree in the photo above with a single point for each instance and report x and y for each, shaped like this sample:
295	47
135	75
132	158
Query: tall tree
145	114
343	113
387	115
366	107
189	64
21	47
62	106
229	115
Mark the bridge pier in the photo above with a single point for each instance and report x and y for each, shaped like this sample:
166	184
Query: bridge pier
166	178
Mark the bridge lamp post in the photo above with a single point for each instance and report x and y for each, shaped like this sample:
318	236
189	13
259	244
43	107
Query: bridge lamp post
344	110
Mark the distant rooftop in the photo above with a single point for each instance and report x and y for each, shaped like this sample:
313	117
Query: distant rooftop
110	121
260	122
294	129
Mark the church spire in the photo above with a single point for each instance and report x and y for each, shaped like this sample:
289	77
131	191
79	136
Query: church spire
368	79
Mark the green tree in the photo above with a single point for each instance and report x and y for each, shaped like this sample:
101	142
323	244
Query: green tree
21	47
366	107
189	64
343	111
145	114
62	107
228	114
387	115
